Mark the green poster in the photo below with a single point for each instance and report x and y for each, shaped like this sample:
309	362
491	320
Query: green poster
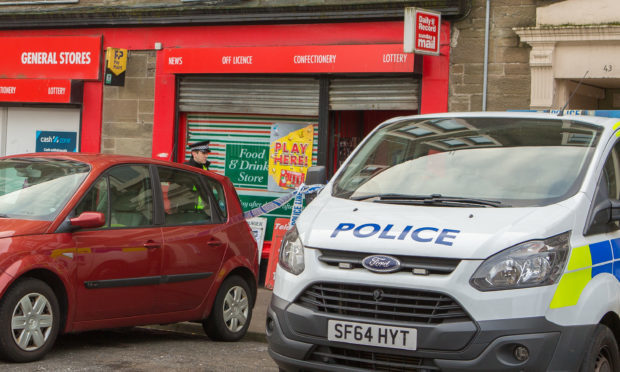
247	165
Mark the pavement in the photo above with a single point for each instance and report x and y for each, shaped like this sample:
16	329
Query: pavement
256	330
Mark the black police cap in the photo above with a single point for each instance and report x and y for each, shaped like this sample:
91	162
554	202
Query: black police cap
200	146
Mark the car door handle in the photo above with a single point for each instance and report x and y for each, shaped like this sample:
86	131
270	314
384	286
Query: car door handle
214	242
151	245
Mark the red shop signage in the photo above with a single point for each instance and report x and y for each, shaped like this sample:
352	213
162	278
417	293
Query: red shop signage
427	28
290	59
39	91
66	57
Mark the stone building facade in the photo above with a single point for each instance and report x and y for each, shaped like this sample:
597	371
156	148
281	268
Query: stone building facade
128	112
508	75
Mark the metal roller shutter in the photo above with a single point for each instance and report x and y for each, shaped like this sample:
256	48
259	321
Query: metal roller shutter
394	93
249	95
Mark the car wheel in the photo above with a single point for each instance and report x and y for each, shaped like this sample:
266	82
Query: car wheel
29	321
603	355
232	311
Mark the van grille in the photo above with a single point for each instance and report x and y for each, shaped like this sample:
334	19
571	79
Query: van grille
428	265
384	303
370	360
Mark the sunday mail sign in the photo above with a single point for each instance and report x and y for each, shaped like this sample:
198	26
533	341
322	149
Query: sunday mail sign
422	31
65	57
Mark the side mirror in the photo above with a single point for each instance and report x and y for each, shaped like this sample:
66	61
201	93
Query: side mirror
615	209
88	220
602	214
316	175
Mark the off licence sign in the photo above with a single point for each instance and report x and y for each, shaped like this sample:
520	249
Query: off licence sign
372	334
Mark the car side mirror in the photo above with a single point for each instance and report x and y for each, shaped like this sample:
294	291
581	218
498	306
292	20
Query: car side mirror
602	214
88	220
316	175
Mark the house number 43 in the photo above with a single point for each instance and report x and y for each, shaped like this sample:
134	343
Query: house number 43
608	68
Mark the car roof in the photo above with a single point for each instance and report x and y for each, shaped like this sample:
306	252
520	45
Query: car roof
99	161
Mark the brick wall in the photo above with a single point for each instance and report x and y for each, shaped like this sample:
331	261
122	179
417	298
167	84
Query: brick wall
508	76
128	110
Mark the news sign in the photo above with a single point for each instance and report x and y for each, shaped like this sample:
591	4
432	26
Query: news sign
289	59
422	31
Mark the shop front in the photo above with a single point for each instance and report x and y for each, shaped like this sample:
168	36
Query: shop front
272	109
314	90
42	93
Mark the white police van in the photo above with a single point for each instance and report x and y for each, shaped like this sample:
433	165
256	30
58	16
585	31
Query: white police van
459	242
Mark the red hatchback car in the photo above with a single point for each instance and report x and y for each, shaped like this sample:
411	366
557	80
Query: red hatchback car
93	241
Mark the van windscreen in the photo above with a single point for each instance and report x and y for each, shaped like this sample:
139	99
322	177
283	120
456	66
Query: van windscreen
511	161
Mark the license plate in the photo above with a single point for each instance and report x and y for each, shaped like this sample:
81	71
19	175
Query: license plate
372	334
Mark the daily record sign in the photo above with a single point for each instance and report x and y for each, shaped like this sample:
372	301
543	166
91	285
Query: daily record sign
422	31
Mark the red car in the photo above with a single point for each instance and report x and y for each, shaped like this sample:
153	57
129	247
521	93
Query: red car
92	241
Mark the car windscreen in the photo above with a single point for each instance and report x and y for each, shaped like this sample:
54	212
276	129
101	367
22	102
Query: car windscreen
471	161
38	189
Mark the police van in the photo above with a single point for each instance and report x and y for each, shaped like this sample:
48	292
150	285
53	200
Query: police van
459	242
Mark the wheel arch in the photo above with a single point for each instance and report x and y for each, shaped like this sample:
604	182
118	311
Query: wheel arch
56	284
249	278
612	321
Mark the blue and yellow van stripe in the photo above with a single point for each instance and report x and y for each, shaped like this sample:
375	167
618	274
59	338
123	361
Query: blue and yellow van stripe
615	127
585	263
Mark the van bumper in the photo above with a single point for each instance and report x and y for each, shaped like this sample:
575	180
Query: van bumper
550	347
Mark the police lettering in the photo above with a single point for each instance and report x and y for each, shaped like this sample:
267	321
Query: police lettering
425	234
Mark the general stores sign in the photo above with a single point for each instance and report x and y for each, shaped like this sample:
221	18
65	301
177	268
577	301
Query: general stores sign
67	57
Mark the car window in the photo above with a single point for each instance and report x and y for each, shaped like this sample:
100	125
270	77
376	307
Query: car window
131	196
218	193
609	182
38	189
185	200
95	200
611	172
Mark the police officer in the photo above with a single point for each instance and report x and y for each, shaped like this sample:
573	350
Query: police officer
199	155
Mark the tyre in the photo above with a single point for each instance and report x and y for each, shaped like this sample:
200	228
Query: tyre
603	355
29	321
232	311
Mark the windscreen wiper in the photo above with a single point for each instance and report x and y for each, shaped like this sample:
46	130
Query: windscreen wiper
433	199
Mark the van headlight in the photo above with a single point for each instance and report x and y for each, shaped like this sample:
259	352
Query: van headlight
292	252
529	264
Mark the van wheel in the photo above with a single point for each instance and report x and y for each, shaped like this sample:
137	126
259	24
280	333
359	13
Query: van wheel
29	321
603	355
231	313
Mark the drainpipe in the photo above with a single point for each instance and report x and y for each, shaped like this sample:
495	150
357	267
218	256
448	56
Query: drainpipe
486	57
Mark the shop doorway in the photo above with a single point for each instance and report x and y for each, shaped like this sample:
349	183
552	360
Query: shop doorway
348	128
